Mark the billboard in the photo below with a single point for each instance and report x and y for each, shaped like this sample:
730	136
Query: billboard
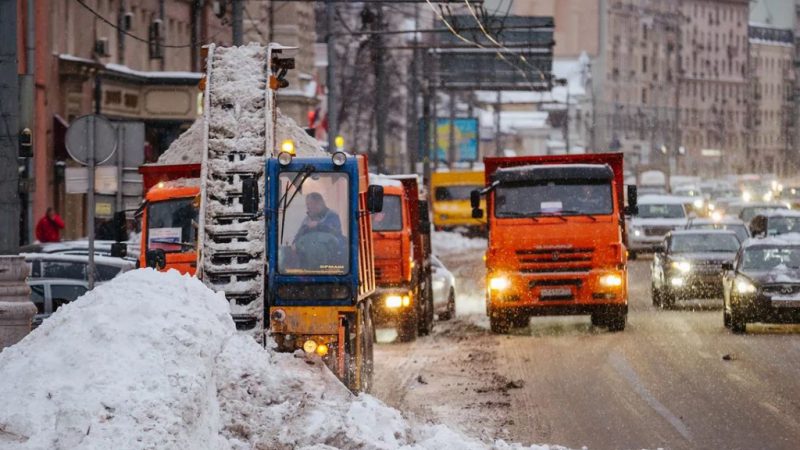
465	135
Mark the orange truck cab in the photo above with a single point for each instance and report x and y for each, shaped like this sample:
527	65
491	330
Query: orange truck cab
169	217
401	239
556	238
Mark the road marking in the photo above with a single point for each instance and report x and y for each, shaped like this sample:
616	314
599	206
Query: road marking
621	365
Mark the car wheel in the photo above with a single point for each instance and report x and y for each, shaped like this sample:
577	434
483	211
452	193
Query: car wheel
655	293
451	307
738	322
726	318
667	299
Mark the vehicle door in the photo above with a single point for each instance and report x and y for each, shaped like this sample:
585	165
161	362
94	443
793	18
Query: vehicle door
63	293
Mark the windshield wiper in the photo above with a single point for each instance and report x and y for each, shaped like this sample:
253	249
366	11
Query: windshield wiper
164	241
307	171
516	215
578	213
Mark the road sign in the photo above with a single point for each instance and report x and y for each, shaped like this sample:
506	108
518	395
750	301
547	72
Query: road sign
77	139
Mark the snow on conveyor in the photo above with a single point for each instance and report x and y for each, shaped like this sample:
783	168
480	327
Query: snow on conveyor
151	360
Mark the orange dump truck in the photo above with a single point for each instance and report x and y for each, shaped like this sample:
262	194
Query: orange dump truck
556	238
169	216
401	239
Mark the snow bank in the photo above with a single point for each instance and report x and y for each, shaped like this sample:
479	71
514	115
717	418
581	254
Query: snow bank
449	242
187	149
152	360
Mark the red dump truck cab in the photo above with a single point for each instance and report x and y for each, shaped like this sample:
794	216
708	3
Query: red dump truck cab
402	258
169	217
556	239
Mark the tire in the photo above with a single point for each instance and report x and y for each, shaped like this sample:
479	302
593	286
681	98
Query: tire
738	322
407	326
451	307
426	324
499	323
655	293
520	321
667	299
367	361
631	255
616	320
726	318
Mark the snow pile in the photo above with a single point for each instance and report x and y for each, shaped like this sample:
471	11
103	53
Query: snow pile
152	360
188	148
450	243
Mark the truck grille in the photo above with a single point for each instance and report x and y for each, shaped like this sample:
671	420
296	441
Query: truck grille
555	260
781	289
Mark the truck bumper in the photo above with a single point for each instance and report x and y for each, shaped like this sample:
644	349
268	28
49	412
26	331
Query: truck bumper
292	326
391	304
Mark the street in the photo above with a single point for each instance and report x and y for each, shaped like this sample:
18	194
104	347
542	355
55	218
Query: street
673	379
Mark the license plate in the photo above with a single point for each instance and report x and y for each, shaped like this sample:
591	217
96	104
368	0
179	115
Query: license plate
555	292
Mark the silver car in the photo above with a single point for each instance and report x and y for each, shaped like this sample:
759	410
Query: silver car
49	294
444	290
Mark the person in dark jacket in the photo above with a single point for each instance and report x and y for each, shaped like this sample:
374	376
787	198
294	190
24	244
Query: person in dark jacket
49	227
319	218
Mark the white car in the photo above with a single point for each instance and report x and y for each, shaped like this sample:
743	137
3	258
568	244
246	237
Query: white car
73	267
444	290
658	215
49	294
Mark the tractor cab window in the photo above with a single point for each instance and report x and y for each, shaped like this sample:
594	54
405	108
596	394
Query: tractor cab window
391	218
172	225
313	232
445	193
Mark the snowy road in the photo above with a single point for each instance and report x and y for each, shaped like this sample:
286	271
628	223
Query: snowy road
661	383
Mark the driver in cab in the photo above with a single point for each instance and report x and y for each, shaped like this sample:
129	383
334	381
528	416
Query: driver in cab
319	218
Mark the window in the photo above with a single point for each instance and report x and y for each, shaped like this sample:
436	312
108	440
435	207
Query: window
172	225
64	293
64	269
704	243
444	193
37	297
391	218
644	64
313	218
665	211
559	198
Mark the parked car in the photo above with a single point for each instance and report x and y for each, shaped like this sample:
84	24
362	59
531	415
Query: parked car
658	215
74	267
762	284
774	222
444	290
689	265
725	223
80	247
49	294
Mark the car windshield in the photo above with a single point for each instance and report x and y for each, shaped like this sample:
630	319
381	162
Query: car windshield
172	225
739	229
553	198
768	258
747	213
444	193
783	225
661	211
703	243
391	217
313	218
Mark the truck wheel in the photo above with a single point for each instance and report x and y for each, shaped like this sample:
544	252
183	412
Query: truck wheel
631	255
616	319
521	321
427	323
738	322
667	299
367	365
726	318
499	322
655	293
407	326
598	320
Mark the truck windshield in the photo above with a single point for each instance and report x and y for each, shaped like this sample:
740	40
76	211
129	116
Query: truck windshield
391	218
661	211
553	198
172	225
313	232
444	193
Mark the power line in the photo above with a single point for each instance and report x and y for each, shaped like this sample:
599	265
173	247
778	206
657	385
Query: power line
126	33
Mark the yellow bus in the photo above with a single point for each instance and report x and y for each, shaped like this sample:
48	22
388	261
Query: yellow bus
450	195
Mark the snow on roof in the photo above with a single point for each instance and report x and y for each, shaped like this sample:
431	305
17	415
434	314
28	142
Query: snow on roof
98	259
154	74
777	212
187	149
726	220
153	358
792	239
653	199
701	231
383	180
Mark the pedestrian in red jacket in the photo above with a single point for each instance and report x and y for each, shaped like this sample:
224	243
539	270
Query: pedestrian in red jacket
49	227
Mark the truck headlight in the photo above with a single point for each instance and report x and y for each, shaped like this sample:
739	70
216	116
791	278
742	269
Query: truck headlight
499	283
611	280
676	281
744	286
698	203
637	232
394	301
682	266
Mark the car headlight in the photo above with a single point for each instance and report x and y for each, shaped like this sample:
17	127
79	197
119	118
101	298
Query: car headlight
682	266
637	232
747	196
698	203
611	280
499	283
744	286
676	281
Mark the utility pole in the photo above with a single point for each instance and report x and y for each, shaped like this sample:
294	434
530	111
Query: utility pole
237	15
566	121
9	129
426	121
380	94
451	138
333	116
497	144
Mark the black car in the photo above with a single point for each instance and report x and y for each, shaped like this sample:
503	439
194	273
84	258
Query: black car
762	284
775	222
689	265
725	223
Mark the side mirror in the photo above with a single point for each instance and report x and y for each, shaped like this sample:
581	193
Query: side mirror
249	196
475	199
477	213
727	265
633	201
375	199
156	259
424	217
119	250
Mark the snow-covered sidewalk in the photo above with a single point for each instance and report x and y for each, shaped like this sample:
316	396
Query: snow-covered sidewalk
152	361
